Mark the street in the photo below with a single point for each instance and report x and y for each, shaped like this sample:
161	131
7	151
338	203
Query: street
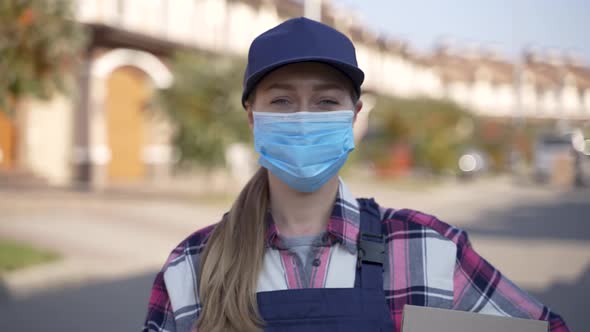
113	246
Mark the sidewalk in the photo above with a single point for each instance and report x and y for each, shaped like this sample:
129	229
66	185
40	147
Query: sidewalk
99	237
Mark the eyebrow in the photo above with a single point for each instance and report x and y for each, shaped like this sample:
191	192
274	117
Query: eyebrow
280	86
316	87
329	86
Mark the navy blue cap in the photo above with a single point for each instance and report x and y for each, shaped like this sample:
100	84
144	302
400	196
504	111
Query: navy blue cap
300	40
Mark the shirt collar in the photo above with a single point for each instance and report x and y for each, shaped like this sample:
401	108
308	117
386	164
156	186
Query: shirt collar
343	226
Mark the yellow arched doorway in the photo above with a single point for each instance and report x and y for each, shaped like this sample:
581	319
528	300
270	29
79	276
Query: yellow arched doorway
7	141
128	92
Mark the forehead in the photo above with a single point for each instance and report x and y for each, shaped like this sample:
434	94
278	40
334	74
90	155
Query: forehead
304	72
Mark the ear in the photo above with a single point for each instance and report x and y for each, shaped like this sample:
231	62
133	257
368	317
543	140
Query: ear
357	109
250	115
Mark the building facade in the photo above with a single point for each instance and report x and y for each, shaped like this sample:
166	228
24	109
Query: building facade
110	133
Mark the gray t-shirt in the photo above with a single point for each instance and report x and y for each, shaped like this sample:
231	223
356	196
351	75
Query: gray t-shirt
305	247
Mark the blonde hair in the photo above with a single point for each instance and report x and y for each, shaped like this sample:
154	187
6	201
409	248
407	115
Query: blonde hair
232	260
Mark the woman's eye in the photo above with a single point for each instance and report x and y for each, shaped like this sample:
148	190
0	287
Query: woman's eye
280	101
328	102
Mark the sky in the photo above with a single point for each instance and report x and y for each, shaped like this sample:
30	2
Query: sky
508	26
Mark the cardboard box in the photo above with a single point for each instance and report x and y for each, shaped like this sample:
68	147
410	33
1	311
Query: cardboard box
425	319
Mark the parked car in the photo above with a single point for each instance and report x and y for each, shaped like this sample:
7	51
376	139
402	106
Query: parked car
555	156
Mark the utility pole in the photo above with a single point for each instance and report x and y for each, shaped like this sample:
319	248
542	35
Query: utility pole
518	118
313	9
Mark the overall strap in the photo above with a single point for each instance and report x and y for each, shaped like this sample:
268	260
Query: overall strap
371	246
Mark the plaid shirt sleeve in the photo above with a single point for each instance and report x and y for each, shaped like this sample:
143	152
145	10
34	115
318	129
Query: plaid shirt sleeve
479	287
160	316
174	304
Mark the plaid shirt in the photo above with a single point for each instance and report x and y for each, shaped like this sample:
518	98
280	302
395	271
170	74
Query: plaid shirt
430	263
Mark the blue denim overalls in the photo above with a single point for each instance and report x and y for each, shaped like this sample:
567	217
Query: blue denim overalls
362	308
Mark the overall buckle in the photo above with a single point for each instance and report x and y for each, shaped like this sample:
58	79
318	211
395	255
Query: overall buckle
371	249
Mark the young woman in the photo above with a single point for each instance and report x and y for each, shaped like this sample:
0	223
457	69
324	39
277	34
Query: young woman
297	251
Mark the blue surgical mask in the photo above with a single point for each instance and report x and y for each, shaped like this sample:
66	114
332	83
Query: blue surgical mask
303	149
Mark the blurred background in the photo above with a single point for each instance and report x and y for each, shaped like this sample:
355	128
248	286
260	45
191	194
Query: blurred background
121	132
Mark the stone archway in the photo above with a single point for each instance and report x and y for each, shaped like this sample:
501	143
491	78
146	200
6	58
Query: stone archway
122	83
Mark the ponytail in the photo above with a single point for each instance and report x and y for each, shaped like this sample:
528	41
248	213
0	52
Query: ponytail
232	261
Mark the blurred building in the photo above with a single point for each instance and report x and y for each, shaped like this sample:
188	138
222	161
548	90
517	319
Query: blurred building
550	85
111	133
478	80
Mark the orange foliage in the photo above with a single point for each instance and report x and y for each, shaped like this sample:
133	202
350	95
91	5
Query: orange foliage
26	18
